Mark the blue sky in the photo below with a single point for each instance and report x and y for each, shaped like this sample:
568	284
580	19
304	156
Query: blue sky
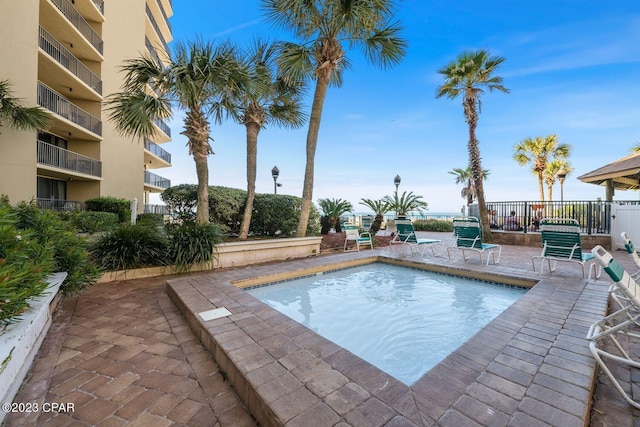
572	68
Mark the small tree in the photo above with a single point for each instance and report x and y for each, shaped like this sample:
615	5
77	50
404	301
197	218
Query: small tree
465	176
407	202
16	115
331	211
380	208
551	173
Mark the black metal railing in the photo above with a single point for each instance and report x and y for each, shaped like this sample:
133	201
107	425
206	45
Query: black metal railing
74	17
56	103
60	54
152	50
594	216
60	204
52	155
151	178
163	126
100	5
164	14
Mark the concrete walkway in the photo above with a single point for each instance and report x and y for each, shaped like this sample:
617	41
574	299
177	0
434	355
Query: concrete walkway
123	355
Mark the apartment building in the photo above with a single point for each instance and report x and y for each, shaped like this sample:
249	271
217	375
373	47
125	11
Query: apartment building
65	56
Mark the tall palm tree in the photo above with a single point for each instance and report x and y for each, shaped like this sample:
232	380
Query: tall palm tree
380	207
469	75
551	173
268	99
465	177
202	78
325	29
538	152
13	113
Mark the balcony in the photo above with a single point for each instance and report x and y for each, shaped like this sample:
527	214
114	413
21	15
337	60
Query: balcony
60	204
157	28
159	153
153	180
65	58
53	156
83	27
61	106
156	209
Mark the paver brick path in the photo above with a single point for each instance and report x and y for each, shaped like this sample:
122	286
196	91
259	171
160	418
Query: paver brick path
124	356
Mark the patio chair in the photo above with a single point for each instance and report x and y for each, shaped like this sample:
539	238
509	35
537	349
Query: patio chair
367	222
561	242
617	325
406	236
352	235
468	233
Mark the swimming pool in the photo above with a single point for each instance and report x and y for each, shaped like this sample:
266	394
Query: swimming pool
402	320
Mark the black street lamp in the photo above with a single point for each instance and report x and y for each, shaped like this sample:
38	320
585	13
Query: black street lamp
396	181
562	174
275	172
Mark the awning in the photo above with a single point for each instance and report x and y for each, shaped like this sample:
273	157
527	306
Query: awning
624	173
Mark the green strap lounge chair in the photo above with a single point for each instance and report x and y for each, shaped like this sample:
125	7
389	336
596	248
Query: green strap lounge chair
406	236
352	235
561	241
617	327
468	233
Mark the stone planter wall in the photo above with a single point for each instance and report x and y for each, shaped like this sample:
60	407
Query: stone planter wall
20	341
235	254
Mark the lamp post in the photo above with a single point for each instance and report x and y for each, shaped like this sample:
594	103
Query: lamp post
275	172
396	181
562	174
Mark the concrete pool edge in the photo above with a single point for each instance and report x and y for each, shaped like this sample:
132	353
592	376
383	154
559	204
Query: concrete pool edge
286	374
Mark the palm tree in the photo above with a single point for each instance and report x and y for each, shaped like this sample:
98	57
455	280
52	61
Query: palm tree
16	115
636	147
268	99
469	76
464	176
201	78
406	203
380	207
324	28
551	173
538	152
332	209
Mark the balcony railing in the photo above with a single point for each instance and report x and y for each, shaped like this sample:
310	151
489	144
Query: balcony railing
156	209
65	58
163	126
156	150
100	5
51	155
164	14
54	102
152	50
60	204
68	10
156	180
157	28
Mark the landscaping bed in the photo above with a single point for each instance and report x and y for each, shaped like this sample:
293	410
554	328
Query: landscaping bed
334	242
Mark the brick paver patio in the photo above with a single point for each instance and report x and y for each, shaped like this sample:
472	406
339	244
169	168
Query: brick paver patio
123	355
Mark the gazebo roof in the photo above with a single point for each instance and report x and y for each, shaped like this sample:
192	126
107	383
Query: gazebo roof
624	173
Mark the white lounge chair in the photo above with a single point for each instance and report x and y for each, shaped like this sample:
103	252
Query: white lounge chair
621	323
352	235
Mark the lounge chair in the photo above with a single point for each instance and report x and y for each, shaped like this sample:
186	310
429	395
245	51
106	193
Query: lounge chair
352	235
610	328
406	236
561	241
468	233
367	222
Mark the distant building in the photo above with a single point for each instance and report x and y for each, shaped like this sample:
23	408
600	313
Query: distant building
65	55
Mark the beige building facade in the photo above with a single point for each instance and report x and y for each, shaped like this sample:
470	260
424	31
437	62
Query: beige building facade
65	56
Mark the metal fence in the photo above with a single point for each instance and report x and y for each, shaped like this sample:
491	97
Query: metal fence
594	216
60	205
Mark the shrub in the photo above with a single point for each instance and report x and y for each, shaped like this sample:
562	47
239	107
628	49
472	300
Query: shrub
150	219
181	201
193	244
226	206
90	222
24	266
131	246
433	225
276	215
110	204
70	251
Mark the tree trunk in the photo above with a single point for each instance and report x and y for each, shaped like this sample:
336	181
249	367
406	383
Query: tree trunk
541	186
202	172
476	167
253	129
322	83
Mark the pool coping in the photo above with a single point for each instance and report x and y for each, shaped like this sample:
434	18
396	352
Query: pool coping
529	366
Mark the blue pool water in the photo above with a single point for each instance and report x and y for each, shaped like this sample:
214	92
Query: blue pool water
402	320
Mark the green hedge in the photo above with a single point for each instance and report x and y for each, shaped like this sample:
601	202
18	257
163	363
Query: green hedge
432	225
121	207
90	222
